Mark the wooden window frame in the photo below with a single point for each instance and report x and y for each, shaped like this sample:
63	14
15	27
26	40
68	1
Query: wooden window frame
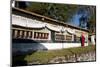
59	37
68	37
41	35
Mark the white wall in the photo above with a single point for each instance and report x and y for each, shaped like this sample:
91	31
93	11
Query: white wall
52	46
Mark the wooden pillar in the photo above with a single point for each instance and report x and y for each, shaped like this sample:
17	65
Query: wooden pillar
16	32
25	34
20	34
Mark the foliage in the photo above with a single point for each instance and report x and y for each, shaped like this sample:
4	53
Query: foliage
88	17
62	12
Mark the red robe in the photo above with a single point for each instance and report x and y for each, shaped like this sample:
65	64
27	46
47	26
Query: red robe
83	40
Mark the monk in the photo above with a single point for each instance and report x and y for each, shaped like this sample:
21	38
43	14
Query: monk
82	40
93	39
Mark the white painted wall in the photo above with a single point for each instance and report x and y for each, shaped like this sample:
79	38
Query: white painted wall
52	46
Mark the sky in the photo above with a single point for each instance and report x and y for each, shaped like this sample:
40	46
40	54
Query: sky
75	20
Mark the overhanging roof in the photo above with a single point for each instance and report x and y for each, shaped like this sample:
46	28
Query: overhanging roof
47	18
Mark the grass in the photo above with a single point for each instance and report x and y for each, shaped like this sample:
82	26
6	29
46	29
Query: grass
44	56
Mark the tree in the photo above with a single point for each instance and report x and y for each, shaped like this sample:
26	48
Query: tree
61	12
83	21
88	17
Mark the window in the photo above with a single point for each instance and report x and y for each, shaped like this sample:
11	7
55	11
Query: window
59	37
21	34
76	38
68	37
40	35
27	34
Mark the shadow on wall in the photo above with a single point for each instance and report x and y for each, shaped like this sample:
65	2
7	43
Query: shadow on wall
22	48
